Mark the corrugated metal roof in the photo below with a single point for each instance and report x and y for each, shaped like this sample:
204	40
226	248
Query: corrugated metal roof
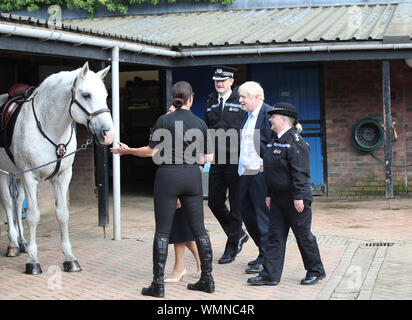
392	22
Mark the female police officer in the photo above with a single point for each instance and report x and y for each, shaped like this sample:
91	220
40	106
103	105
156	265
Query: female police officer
286	172
178	144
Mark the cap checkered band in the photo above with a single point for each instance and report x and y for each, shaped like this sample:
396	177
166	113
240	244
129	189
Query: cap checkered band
221	73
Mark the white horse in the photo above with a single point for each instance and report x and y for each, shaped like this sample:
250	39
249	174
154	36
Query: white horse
44	129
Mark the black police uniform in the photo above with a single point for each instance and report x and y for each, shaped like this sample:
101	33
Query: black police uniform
287	172
223	171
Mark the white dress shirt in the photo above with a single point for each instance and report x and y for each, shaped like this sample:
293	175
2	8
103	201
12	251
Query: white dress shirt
248	158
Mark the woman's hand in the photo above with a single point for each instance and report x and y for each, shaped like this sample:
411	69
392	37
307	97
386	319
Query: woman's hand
178	204
267	200
299	206
171	109
121	150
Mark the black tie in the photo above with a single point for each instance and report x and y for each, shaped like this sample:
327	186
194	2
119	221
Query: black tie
220	106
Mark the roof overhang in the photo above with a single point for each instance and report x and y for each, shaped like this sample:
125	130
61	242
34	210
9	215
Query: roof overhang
40	37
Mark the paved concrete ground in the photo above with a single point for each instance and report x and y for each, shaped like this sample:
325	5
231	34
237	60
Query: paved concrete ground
366	247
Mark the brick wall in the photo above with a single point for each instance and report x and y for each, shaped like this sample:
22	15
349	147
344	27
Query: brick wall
353	90
81	188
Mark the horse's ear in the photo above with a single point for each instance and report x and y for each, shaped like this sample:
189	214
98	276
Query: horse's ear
102	73
84	70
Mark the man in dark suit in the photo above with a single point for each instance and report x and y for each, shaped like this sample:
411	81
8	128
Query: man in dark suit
255	134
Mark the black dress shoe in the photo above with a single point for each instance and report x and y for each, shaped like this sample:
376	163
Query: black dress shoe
254	269
252	263
260	281
312	279
226	258
243	239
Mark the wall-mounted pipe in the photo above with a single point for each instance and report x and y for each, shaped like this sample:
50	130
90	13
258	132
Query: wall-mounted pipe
291	49
81	40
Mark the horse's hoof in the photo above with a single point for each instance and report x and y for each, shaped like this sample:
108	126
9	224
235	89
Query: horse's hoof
72	266
33	268
23	247
12	251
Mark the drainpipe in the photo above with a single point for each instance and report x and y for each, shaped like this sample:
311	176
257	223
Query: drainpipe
45	35
312	48
116	157
387	116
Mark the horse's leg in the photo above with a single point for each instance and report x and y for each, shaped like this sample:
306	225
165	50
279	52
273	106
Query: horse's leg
61	184
19	202
33	217
13	249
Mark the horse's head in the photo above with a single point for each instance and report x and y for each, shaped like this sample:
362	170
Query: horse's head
89	107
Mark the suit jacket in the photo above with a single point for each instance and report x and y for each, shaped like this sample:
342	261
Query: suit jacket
263	125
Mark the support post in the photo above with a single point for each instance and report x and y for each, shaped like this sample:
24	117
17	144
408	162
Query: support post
166	84
116	157
387	116
101	174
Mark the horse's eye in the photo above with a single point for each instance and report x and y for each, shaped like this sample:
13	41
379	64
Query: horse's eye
86	95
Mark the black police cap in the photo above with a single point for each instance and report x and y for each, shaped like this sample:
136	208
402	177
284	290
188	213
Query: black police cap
223	72
286	109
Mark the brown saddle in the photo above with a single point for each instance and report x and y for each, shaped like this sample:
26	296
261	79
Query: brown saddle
18	94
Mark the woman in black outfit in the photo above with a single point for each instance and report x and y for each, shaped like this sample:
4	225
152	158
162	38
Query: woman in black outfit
178	144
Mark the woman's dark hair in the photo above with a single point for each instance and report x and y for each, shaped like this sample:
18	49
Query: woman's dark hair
181	92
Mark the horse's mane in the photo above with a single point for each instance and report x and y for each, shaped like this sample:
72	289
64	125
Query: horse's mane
57	79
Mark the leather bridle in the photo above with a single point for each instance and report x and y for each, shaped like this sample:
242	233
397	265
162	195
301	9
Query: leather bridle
90	116
62	147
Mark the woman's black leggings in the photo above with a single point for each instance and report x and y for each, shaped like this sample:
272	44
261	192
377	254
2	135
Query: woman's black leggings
183	182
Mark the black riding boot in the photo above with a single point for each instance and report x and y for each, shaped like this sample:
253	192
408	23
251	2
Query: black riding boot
157	289
206	282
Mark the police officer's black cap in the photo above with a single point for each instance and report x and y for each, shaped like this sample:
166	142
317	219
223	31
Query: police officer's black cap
223	72
286	109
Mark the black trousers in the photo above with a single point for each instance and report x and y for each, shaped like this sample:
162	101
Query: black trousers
283	216
254	211
183	182
224	177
